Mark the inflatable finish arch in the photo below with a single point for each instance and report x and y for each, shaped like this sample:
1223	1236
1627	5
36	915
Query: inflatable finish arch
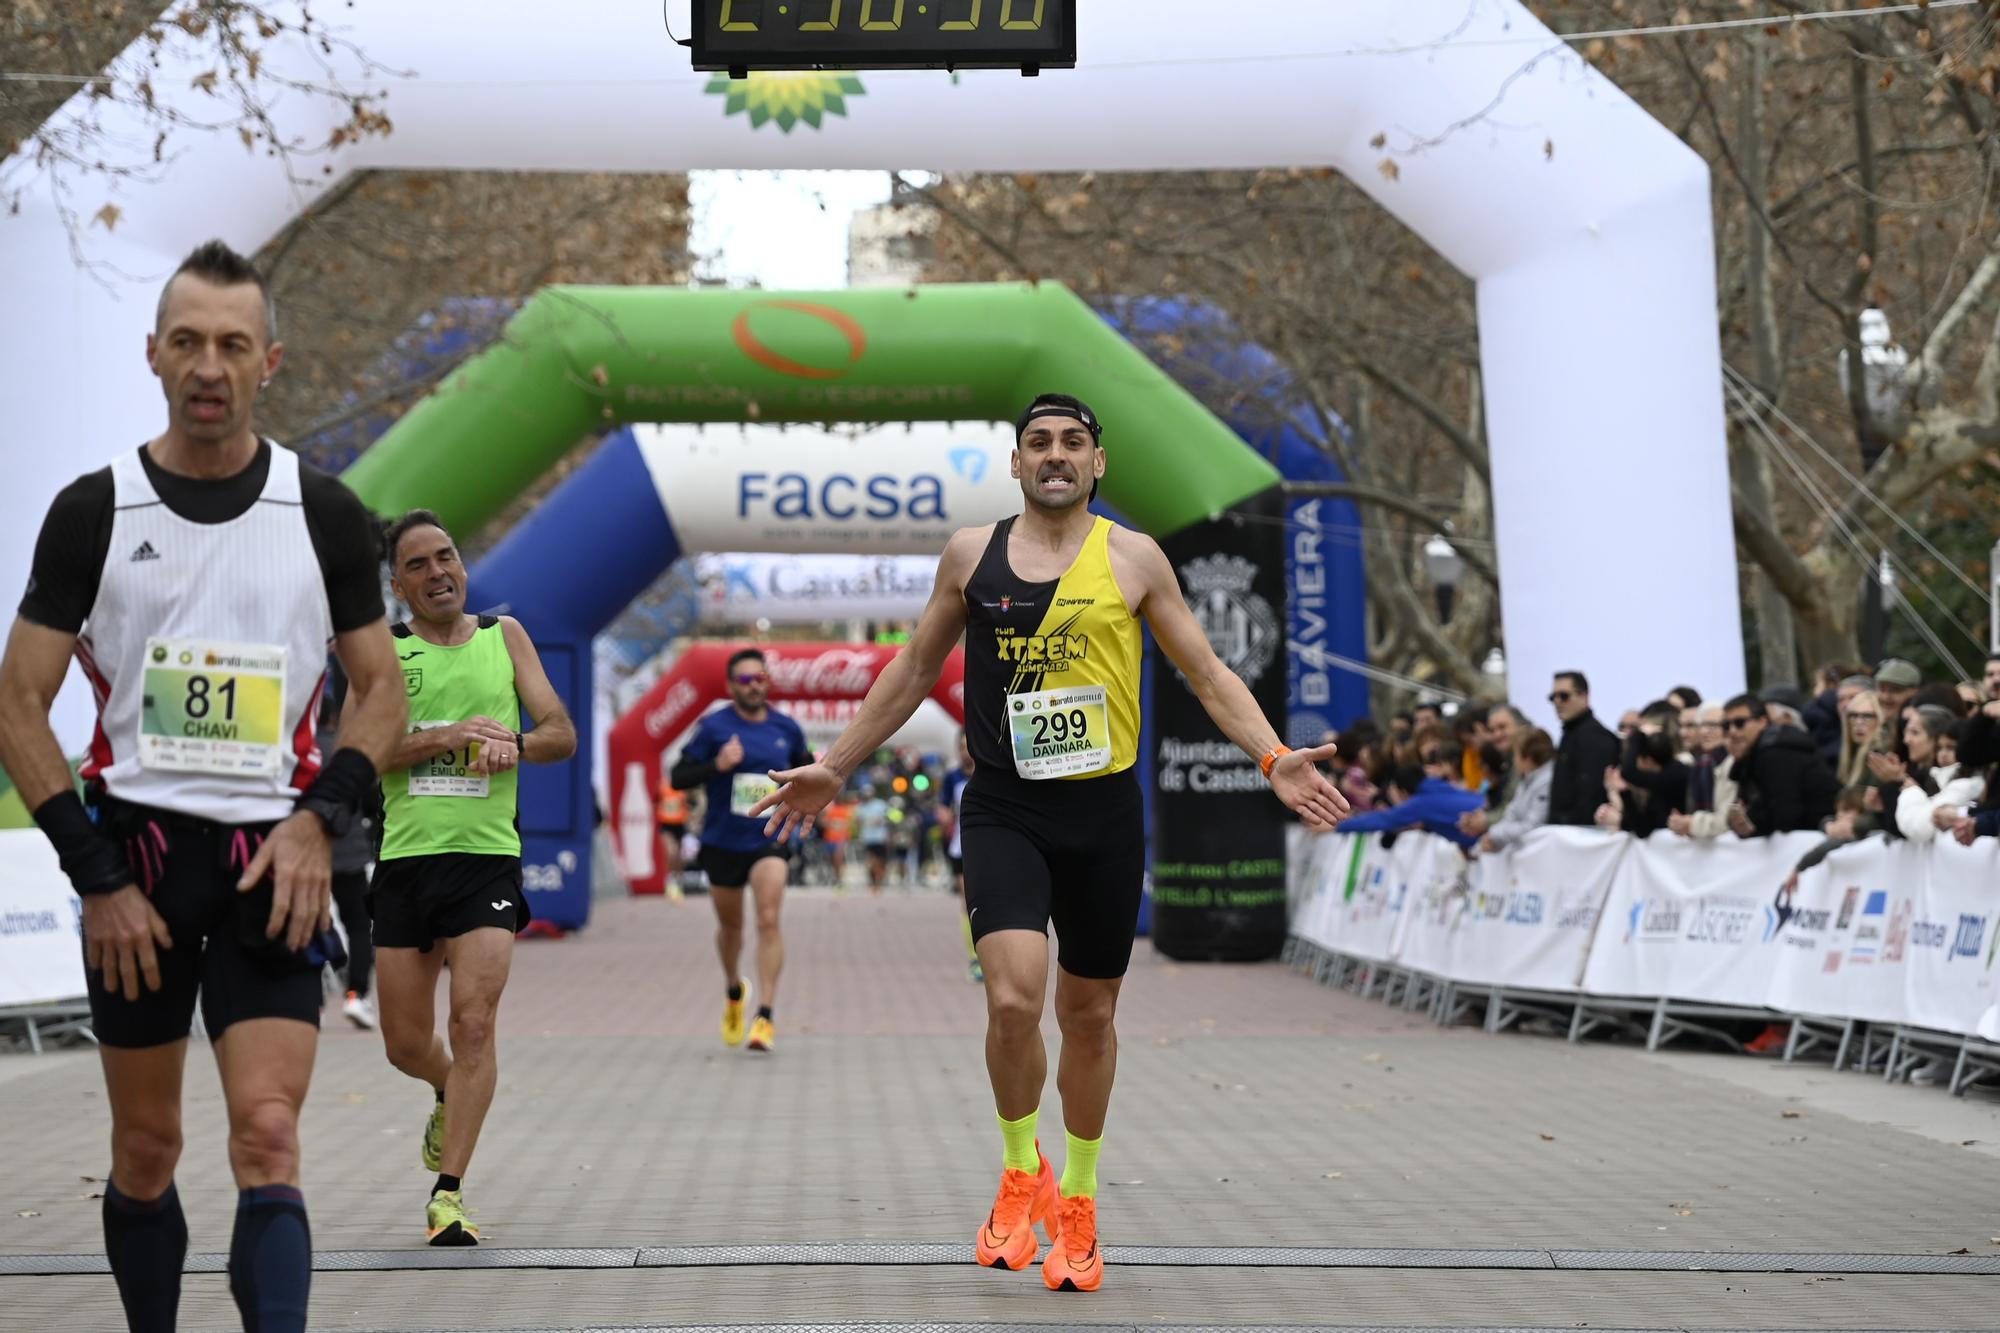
1594	262
577	359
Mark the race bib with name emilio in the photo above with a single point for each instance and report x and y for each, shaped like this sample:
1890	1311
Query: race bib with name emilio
448	773
211	707
746	789
1059	733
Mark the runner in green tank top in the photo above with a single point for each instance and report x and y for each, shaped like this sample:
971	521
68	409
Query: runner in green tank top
450	868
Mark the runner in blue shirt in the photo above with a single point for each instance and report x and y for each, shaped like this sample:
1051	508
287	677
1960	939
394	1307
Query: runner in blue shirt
730	755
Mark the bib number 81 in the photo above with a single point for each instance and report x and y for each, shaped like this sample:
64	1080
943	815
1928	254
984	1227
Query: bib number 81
199	698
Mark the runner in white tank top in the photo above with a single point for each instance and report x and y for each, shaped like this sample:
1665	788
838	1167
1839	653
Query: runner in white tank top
199	582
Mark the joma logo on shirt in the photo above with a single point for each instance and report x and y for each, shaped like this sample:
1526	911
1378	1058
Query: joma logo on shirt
1049	648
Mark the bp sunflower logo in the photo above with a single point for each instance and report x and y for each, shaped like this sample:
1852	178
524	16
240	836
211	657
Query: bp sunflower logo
786	98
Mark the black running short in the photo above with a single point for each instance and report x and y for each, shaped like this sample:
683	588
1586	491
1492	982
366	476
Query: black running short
415	901
188	867
731	870
1071	851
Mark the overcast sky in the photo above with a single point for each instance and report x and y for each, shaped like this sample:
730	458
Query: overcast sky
783	230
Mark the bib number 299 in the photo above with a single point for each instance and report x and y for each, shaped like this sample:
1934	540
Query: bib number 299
1055	728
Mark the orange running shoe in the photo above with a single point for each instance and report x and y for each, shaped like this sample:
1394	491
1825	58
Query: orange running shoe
1007	1238
1075	1263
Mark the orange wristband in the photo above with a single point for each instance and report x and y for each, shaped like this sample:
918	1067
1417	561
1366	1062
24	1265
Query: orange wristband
1272	756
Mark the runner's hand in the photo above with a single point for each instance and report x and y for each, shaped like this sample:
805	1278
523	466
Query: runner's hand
1302	787
482	729
120	932
299	858
496	756
1965	831
729	756
802	793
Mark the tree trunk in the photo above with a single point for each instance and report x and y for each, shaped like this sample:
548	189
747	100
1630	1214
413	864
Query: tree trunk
1776	641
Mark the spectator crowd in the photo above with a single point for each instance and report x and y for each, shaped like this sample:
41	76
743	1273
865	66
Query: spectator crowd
1881	751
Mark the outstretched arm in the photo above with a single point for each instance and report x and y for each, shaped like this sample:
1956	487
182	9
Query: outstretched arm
910	676
554	737
1294	775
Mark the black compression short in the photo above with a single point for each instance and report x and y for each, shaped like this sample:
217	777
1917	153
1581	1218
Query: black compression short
188	868
416	901
1071	851
731	870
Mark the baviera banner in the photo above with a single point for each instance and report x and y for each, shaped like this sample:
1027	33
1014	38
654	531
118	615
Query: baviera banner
1886	932
1218	832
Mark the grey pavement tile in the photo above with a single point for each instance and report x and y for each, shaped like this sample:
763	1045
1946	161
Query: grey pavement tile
1141	1297
1254	1108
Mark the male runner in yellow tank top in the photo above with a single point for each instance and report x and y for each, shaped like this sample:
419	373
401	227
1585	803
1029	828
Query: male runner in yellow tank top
1050	604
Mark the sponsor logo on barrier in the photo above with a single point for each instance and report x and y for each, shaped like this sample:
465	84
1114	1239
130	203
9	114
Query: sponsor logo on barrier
1803	921
1721	921
1898	937
1583	916
1652	922
1971	932
1868	927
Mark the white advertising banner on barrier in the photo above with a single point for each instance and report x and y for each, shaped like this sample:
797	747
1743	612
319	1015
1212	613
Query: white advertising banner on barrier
1882	931
1950	982
41	956
894	488
1839	944
1532	910
1686	919
808	589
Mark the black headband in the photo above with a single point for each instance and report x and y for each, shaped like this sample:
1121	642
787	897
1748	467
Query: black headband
1085	415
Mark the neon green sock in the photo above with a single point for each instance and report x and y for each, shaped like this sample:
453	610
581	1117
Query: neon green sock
1020	1136
1079	1177
971	949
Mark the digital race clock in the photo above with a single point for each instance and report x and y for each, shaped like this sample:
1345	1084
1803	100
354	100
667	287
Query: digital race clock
742	35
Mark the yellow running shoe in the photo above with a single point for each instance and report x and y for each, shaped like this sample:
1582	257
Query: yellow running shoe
446	1221
1075	1263
732	1016
433	1145
762	1035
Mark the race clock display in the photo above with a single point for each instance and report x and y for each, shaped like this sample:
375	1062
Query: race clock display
742	35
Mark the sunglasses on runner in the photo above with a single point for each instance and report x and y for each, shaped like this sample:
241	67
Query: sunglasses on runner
750	678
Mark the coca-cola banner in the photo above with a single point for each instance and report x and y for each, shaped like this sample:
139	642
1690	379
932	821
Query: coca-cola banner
1218	832
799	671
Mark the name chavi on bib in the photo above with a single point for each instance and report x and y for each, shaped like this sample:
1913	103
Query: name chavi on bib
1059	733
213	707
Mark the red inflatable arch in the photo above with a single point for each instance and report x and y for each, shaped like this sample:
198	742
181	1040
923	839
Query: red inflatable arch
799	671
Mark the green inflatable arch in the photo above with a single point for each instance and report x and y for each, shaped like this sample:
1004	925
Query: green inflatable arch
582	359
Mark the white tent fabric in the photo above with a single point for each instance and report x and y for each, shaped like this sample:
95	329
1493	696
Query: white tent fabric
1584	221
